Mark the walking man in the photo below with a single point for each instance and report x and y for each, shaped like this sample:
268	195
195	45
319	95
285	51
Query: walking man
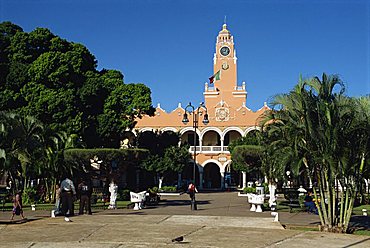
192	190
68	192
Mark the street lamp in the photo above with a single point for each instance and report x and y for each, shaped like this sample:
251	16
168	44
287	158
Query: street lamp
196	112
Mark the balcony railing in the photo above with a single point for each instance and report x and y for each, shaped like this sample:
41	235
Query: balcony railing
210	149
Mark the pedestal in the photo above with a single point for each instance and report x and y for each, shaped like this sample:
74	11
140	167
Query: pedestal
137	207
253	207
258	209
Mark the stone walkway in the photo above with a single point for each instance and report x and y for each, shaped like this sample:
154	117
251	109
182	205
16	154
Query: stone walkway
223	220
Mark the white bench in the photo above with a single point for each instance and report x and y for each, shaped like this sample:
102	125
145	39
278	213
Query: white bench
138	199
256	202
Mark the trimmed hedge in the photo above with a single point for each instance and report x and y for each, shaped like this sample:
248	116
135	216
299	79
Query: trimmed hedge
123	157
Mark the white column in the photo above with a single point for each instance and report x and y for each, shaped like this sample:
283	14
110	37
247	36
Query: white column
222	145
222	179
244	183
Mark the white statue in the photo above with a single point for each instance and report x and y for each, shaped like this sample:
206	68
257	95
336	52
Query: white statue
113	189
124	144
95	162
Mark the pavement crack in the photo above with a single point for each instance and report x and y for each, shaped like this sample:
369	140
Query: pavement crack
278	242
194	231
94	231
164	219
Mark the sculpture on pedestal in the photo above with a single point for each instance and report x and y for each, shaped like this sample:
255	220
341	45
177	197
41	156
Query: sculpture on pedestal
113	189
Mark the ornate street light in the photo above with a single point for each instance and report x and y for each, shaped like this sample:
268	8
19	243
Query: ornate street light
196	112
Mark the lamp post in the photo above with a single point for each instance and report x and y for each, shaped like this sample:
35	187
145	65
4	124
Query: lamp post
196	112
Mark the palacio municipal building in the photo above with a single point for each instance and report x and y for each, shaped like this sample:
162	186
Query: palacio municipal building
229	117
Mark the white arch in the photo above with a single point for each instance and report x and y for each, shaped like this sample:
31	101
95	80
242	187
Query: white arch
145	129
239	130
251	129
166	129
212	161
207	129
228	162
188	129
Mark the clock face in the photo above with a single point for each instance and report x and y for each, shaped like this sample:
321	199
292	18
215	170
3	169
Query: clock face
225	51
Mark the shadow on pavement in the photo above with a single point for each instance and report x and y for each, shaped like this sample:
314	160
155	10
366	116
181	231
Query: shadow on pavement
360	222
174	203
18	221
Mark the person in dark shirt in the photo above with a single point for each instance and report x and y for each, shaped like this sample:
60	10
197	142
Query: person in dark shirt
17	205
309	204
84	190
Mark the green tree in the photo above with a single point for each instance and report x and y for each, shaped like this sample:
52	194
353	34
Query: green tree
313	131
246	152
56	81
175	159
21	146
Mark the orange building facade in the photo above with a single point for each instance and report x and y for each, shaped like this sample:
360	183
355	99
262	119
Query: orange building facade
229	119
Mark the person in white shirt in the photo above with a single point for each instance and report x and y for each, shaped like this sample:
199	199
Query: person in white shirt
68	191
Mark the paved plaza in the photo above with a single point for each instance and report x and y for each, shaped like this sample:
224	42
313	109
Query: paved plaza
222	220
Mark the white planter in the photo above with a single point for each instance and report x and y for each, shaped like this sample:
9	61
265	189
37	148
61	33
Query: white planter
256	202
33	207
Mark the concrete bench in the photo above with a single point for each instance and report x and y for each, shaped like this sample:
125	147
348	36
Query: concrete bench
256	202
138	199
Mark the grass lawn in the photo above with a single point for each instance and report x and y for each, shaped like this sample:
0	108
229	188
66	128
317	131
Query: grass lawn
358	210
48	206
362	232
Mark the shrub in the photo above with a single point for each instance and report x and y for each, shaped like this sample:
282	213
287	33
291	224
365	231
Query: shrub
249	190
266	188
153	190
169	189
29	196
123	195
301	200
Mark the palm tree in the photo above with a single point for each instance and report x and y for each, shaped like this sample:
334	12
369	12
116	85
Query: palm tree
313	131
21	144
54	164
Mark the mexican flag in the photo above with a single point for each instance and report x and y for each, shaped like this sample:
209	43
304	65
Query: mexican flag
215	77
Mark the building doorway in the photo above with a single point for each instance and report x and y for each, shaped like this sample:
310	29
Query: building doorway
212	176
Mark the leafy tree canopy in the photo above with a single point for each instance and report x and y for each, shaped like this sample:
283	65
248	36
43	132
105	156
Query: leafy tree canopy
57	82
246	152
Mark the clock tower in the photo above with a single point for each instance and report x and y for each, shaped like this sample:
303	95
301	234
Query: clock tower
224	95
229	120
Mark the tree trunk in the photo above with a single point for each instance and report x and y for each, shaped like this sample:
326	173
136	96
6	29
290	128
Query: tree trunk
348	213
272	189
341	207
319	211
179	179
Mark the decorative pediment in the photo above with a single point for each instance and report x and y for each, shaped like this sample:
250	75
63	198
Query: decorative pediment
222	114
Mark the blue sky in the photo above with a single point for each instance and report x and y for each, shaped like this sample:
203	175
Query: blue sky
168	45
